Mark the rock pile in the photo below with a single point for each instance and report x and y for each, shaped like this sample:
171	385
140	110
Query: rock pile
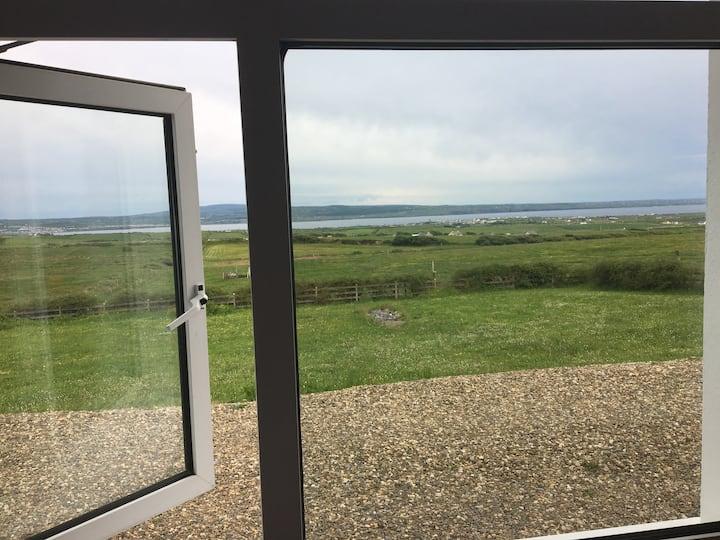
385	316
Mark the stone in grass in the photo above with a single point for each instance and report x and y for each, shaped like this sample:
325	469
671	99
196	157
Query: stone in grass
386	316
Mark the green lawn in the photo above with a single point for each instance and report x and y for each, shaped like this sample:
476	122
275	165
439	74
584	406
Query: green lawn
90	362
93	364
125	359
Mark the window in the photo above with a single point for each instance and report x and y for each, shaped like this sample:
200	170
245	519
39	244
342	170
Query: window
131	436
264	31
499	289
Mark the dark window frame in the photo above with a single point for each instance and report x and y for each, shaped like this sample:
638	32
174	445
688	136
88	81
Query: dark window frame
264	32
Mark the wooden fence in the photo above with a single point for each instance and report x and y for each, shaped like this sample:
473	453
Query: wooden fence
50	312
359	291
313	295
499	283
305	295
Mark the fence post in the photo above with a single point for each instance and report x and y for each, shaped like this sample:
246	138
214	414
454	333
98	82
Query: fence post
59	310
434	282
357	293
397	292
234	300
316	294
147	304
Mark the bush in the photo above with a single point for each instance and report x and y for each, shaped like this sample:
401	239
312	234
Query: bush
493	240
407	240
360	241
657	275
515	275
131	296
305	239
504	240
74	301
227	240
594	236
500	240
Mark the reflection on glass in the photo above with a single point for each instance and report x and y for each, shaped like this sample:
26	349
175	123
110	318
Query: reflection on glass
89	381
499	335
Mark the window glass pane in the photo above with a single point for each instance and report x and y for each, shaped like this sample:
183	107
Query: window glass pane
499	275
90	394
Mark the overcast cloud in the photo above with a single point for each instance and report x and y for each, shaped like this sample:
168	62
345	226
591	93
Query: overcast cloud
493	127
438	127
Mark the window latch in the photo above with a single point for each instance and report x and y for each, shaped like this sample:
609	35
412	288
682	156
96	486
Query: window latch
197	304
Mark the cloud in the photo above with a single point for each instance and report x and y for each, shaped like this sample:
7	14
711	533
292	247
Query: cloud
61	161
207	69
437	127
496	126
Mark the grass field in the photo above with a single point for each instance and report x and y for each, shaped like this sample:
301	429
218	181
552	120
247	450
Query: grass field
126	359
340	346
114	268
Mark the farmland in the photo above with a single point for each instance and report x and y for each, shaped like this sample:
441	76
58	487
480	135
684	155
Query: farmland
92	361
112	268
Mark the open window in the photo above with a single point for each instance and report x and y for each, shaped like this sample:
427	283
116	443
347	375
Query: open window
120	430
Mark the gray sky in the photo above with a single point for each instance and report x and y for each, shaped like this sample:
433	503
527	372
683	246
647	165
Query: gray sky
417	127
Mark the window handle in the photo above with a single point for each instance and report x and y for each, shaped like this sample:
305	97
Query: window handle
197	304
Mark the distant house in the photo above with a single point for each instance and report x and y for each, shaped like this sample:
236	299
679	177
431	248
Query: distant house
455	233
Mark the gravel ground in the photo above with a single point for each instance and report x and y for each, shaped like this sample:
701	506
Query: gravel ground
505	455
55	466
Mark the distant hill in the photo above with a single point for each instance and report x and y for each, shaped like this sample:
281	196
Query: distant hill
233	213
237	213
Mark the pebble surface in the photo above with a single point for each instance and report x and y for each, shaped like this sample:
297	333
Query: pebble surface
498	456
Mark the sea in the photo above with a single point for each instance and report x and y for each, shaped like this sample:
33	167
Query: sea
453	218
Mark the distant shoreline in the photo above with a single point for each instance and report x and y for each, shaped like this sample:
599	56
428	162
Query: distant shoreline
459	219
234	214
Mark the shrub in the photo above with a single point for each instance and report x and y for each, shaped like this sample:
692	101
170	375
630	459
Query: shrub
529	239
305	239
657	275
132	296
360	241
415	283
74	301
493	240
407	240
504	240
517	275
242	296
228	240
593	236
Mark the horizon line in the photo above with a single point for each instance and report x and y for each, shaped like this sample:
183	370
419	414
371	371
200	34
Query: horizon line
657	202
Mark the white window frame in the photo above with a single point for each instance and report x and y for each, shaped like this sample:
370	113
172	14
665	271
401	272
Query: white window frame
40	84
